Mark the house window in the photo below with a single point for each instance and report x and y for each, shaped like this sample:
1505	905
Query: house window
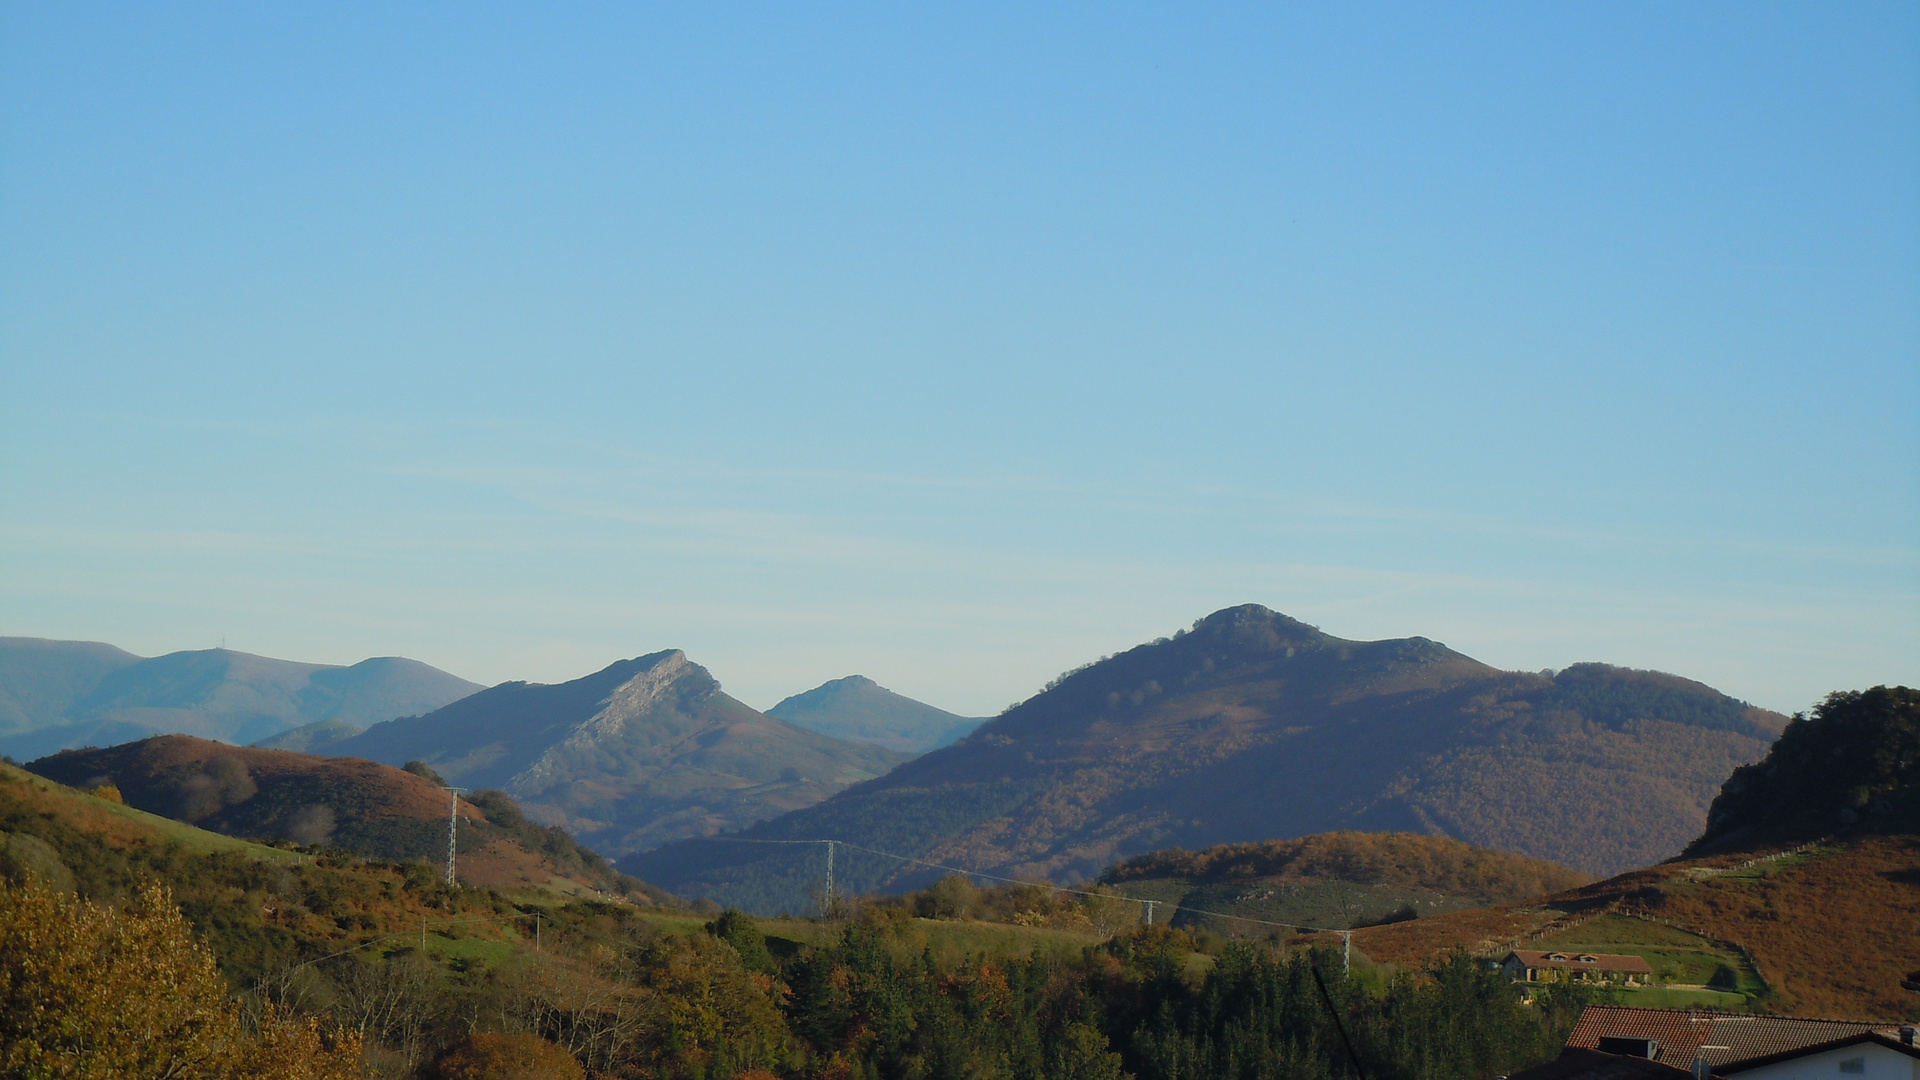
1857	1066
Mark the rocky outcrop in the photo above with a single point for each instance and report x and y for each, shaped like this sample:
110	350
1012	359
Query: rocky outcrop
640	753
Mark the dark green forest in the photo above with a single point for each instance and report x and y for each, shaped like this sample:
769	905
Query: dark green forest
1145	1004
1849	765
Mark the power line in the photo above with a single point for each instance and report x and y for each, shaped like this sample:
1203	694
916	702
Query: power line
1144	901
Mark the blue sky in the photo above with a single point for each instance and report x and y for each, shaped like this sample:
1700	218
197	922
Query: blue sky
956	347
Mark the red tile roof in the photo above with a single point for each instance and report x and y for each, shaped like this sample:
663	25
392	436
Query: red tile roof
1577	1063
1579	961
1721	1038
1889	1038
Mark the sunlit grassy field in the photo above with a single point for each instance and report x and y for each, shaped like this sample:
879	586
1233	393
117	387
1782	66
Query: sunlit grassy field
1678	957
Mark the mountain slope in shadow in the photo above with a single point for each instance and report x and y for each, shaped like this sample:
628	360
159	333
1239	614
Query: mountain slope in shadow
1253	727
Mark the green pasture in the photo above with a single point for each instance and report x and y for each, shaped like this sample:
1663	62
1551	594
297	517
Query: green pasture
1659	997
471	951
1676	956
1767	867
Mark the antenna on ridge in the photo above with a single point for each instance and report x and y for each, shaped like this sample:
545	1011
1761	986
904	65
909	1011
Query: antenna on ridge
453	824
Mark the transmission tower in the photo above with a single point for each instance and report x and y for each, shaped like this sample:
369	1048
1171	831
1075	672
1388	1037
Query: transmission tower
453	825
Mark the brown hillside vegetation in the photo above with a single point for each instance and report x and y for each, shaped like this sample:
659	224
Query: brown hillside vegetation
258	906
347	803
1831	928
382	950
437	975
1409	859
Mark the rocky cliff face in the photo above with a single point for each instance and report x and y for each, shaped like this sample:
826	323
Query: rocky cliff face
643	752
644	709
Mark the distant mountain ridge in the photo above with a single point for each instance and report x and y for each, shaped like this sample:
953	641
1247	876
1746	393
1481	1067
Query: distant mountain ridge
640	753
56	695
1253	727
858	709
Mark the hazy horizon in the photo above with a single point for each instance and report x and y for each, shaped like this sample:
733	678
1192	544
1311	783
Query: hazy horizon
958	348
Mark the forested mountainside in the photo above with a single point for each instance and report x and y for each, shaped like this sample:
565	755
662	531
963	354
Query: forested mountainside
346	804
55	695
640	753
858	709
1850	766
1810	855
1254	727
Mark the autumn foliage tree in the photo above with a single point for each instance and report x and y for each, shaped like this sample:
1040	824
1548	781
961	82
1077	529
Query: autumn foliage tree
488	1056
90	990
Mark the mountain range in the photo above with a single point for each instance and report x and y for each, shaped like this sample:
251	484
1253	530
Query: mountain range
1820	927
55	695
858	709
641	753
1254	726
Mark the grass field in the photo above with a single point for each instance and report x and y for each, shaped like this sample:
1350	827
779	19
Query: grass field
473	950
1676	955
1667	998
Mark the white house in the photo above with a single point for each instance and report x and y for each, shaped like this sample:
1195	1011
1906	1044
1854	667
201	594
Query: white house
1871	1056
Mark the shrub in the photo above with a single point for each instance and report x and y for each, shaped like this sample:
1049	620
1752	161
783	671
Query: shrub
487	1056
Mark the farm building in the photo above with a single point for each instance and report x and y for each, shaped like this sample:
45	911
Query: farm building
1540	967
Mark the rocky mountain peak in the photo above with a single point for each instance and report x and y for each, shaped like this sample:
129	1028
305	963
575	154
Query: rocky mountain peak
1253	628
641	692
